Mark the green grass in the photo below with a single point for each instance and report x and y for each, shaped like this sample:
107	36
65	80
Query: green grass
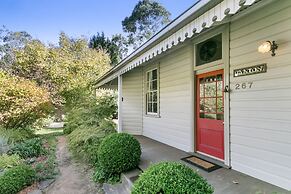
46	131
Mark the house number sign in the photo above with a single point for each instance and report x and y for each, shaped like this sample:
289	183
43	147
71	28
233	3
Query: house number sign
262	68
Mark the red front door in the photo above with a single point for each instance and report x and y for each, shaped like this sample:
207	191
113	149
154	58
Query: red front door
210	114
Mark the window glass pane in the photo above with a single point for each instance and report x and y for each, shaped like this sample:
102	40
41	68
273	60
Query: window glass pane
219	117
155	74
151	85
209	116
210	89
210	105
219	88
220	105
155	107
150	107
155	97
150	99
155	85
148	76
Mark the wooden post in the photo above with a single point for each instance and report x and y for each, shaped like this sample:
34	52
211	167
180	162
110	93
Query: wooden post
119	127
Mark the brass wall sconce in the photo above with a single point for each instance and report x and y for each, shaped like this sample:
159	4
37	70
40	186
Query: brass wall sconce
268	46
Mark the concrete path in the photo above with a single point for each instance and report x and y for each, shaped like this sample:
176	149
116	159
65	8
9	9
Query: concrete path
74	178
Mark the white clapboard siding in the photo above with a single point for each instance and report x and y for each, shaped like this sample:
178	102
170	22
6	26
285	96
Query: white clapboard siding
173	126
260	117
132	102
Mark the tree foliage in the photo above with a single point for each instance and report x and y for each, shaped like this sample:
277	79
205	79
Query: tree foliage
147	17
64	70
8	42
116	46
22	102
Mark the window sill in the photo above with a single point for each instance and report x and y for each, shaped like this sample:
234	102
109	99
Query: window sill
152	116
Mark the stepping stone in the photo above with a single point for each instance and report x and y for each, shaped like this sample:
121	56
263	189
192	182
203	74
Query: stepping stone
44	184
37	191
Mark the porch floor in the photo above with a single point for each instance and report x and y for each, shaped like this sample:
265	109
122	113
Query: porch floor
222	179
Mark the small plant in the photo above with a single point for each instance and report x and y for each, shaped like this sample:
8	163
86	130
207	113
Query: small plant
46	167
7	161
171	177
16	135
16	178
119	153
28	148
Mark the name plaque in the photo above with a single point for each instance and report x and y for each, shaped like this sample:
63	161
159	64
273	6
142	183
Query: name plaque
262	68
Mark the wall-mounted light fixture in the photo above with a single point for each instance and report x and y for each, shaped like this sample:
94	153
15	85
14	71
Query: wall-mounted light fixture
268	46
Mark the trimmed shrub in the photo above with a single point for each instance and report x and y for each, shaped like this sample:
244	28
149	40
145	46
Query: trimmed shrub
28	148
85	140
171	177
118	153
16	178
7	161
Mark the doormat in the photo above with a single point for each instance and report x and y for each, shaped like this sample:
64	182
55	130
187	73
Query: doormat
201	163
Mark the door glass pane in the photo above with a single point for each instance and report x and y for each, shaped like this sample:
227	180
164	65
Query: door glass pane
220	105
219	117
210	89
219	88
202	105
210	116
210	105
210	79
201	90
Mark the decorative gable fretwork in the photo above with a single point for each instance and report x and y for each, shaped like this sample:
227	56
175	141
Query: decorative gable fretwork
211	17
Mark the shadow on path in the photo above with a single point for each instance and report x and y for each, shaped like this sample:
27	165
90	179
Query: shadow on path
74	178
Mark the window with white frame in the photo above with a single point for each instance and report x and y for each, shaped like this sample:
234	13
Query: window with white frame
152	92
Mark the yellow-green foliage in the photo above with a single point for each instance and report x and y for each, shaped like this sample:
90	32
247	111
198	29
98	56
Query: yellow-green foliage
7	161
85	140
64	69
22	102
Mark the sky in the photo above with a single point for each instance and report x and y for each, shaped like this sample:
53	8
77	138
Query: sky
45	19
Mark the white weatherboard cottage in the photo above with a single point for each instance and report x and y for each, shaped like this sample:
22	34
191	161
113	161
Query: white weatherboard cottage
201	85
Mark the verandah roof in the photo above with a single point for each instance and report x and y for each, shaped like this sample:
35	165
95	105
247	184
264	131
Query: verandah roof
162	42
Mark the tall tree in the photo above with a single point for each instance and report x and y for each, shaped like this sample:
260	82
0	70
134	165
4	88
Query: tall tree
9	41
64	69
115	47
147	17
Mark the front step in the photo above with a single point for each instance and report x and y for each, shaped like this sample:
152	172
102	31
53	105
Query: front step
125	186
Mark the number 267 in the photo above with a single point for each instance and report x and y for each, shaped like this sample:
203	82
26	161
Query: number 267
244	86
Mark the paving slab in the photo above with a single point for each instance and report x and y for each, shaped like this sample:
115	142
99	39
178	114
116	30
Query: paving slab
224	180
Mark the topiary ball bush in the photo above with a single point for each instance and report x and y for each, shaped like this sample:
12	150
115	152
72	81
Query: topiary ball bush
118	153
16	178
171	177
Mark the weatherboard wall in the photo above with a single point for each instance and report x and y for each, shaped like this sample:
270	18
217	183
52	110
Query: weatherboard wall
260	116
132	102
173	124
